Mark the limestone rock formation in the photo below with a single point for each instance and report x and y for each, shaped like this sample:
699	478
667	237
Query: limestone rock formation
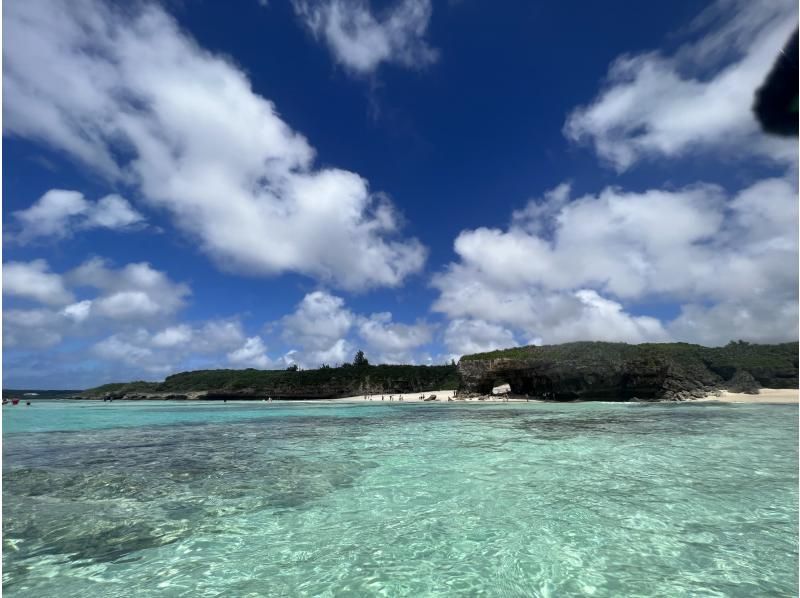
743	381
621	372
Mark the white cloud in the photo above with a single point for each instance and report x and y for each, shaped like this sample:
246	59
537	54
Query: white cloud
321	330
762	319
214	342
79	311
603	319
698	99
113	211
128	304
33	280
217	335
135	291
209	337
463	337
566	270
252	354
173	336
117	348
318	327
131	96
50	215
319	319
341	351
36	328
394	342
361	42
122	299
58	214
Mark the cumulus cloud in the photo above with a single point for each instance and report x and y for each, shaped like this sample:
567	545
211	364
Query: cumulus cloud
208	337
160	352
173	336
130	296
565	270
127	317
36	328
135	291
361	42
136	100
33	280
699	98
128	322
762	319
131	351
322	329
252	354
394	342
78	312
339	352
318	327
58	214
465	336
318	319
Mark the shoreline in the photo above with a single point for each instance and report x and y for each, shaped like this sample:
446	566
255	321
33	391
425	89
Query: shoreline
765	395
442	396
789	396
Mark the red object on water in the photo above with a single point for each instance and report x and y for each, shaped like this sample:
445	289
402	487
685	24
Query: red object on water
14	401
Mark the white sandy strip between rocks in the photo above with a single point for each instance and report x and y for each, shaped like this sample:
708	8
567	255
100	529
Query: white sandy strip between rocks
766	395
418	397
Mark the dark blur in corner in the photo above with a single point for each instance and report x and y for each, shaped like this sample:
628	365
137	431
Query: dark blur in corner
776	100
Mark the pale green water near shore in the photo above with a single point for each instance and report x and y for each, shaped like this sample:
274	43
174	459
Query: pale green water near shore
171	499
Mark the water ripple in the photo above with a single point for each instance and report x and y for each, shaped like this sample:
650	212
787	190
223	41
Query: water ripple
402	500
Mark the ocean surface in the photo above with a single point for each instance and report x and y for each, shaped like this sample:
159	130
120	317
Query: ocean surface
276	499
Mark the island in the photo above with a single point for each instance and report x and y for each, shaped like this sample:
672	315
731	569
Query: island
588	371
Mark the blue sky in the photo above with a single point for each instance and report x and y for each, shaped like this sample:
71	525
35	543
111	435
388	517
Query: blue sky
192	185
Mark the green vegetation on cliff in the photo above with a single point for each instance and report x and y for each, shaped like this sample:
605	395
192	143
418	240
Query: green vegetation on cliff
721	360
326	381
570	370
618	371
123	387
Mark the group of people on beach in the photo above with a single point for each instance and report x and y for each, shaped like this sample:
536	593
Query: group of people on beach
370	397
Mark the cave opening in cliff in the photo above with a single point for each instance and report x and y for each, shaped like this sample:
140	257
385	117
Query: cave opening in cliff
522	383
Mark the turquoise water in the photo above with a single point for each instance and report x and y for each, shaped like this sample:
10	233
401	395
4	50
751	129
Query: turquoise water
585	499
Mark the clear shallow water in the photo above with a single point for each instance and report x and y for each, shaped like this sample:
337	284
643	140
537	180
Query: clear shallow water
171	499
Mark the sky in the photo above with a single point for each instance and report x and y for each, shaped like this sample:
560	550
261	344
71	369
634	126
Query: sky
194	184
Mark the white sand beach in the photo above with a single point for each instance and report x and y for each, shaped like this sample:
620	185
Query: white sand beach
441	396
765	395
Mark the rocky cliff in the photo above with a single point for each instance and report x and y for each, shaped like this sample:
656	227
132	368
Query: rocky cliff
323	383
621	372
